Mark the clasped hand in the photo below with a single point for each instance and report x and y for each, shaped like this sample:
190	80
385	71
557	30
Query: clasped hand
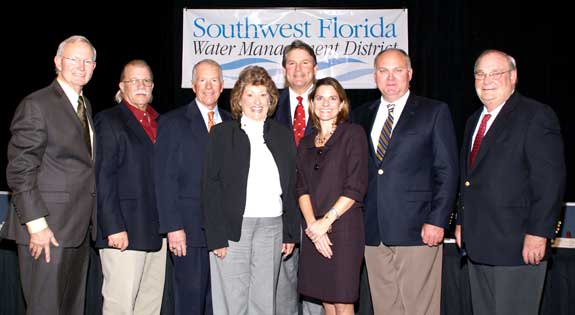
317	233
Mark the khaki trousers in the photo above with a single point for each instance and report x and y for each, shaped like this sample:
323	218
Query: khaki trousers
405	280
133	281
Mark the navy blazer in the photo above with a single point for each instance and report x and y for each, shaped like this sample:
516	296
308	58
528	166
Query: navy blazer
416	182
284	115
180	147
125	180
516	184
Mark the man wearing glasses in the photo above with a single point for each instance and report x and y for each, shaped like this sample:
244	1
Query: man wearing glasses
132	251
51	174
512	184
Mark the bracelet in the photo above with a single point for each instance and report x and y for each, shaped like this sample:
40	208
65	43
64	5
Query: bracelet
334	212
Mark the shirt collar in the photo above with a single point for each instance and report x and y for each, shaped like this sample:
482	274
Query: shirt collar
293	95
400	102
204	110
70	92
152	113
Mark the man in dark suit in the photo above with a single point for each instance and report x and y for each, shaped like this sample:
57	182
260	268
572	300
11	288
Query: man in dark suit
132	252
412	186
512	184
51	174
300	66
180	147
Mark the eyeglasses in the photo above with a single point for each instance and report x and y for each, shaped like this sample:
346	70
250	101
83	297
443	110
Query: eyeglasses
77	62
136	82
492	75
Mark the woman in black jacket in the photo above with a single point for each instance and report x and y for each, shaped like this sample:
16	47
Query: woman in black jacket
250	211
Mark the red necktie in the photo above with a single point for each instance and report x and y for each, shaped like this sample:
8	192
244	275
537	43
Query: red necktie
478	139
299	121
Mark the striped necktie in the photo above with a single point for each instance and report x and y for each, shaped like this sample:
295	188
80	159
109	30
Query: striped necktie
385	135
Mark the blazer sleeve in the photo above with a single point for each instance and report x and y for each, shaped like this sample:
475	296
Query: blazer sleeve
25	153
166	169
291	226
547	172
110	156
214	223
301	182
445	168
355	184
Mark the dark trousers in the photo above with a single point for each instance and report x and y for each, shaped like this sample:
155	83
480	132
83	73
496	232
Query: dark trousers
506	290
192	290
58	287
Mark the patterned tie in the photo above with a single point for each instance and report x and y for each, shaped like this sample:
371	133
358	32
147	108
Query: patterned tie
299	121
211	121
385	135
81	112
478	139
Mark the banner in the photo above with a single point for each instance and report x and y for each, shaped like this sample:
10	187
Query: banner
345	41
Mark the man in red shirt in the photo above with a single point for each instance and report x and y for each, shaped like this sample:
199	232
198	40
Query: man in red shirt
132	251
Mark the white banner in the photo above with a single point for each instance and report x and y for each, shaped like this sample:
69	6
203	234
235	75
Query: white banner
345	41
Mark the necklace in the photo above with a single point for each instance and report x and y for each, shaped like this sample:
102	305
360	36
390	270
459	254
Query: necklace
321	140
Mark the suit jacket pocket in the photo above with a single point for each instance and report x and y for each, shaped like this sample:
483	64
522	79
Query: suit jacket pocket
58	197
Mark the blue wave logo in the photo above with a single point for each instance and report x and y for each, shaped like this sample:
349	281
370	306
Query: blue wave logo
353	74
336	61
244	62
347	76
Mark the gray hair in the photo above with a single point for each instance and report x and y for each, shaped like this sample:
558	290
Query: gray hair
210	62
510	60
75	39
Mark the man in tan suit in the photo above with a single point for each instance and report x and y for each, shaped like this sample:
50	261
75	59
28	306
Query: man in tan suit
51	174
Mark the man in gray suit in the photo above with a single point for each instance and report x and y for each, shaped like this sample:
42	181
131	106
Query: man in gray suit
51	174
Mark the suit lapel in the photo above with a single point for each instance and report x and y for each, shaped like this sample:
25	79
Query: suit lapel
401	127
197	124
501	121
134	125
68	109
469	128
91	123
369	120
283	114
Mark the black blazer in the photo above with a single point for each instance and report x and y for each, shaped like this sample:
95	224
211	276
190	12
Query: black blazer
516	184
125	180
179	158
417	183
225	176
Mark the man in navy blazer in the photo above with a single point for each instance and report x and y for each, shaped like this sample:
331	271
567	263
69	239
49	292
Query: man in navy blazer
133	254
512	183
300	66
182	137
412	185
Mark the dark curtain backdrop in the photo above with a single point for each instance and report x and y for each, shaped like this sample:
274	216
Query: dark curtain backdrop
445	37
